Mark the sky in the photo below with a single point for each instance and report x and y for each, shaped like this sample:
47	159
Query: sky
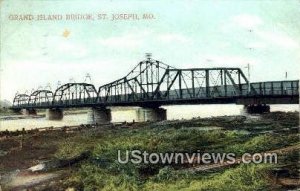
183	34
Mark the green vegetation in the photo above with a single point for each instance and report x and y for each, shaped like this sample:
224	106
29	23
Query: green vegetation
245	177
102	171
6	112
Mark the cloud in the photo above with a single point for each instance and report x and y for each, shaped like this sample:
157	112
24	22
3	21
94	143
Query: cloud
256	45
266	38
173	38
137	40
129	40
71	48
278	39
121	41
247	21
227	60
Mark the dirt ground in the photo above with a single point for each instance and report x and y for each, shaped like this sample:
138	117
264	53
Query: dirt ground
18	153
24	152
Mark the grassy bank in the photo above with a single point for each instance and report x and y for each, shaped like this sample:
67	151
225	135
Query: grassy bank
101	170
245	177
238	135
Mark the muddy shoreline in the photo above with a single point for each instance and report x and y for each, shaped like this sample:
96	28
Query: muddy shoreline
39	115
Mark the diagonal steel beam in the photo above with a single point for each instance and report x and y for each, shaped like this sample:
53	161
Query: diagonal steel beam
132	90
156	91
171	84
135	79
246	80
236	87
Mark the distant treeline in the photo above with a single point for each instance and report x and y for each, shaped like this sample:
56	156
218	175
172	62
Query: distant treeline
6	111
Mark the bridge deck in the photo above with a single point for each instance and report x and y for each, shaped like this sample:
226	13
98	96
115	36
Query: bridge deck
277	92
152	83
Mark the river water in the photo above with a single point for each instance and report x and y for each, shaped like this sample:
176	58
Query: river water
128	114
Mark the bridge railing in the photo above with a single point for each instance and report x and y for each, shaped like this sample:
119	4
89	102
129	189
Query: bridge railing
274	88
74	102
200	92
258	88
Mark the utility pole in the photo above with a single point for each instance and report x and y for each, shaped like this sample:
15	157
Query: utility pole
286	74
248	64
248	70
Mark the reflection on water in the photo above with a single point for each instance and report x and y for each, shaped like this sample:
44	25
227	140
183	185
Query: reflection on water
42	122
128	114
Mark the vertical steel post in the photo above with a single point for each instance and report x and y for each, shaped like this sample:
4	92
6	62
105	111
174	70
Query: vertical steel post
240	84
180	89
221	74
225	83
147	77
260	88
125	91
207	83
193	84
272	88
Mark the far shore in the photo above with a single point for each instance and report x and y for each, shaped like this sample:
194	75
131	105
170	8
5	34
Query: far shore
5	116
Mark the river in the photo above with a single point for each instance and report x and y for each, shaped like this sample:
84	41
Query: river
128	114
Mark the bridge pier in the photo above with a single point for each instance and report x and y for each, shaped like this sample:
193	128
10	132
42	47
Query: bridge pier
98	115
28	111
151	114
17	111
257	108
54	114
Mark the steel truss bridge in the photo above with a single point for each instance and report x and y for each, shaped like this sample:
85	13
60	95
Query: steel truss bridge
152	83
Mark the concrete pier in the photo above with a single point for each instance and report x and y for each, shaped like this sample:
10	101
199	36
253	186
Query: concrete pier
151	114
28	111
257	108
98	115
54	114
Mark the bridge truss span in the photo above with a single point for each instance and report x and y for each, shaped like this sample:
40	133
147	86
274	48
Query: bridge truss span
72	94
153	83
40	97
162	83
138	85
21	100
199	83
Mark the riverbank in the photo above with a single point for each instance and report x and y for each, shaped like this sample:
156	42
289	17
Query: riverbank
16	117
10	115
100	169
